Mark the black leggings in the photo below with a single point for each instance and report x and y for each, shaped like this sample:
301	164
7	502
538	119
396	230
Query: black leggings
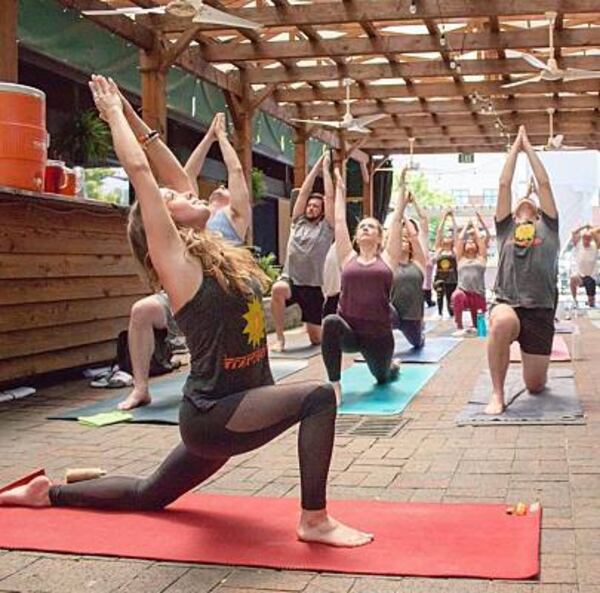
238	423
444	288
338	337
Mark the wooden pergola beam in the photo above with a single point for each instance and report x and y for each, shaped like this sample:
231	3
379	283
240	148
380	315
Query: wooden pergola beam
454	149
415	106
9	50
433	90
396	44
328	13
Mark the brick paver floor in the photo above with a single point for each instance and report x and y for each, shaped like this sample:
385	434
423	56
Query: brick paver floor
429	459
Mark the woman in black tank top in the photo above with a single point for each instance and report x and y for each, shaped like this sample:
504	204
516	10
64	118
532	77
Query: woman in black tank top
446	277
230	404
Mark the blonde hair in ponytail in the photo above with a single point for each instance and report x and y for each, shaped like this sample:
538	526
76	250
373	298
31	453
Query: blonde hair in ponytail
232	267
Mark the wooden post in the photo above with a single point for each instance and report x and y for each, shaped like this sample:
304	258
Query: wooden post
300	157
367	195
154	91
9	52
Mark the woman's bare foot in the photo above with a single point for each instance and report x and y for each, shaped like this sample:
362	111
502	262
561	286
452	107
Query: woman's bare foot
395	368
32	494
279	344
495	406
136	399
319	527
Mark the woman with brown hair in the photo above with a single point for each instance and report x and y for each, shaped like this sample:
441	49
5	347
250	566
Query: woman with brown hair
230	404
363	319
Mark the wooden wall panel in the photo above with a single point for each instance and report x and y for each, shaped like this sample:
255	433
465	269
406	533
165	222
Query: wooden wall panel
67	283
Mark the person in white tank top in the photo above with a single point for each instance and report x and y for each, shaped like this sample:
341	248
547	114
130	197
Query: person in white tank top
586	240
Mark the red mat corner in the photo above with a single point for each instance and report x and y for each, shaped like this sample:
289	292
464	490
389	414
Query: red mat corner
411	539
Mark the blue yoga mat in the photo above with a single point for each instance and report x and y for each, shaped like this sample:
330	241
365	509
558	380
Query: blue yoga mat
362	395
166	397
435	348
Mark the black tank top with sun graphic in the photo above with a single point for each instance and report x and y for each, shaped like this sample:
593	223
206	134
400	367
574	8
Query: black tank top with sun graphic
225	333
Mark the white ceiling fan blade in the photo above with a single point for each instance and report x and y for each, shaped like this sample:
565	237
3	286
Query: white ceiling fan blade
529	58
359	129
117	11
520	82
208	14
365	120
579	74
318	122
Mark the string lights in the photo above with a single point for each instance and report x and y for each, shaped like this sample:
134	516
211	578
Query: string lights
485	106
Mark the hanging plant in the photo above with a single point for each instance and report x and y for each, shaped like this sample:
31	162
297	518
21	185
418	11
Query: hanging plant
259	184
85	140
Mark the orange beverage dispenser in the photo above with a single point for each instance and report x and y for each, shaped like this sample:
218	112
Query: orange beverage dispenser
23	136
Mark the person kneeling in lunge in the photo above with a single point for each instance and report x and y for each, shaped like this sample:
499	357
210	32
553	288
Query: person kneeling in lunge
471	255
528	245
407	290
586	240
363	321
230	404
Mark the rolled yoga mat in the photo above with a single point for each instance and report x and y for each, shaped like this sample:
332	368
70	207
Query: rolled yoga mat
557	404
560	351
434	350
362	395
416	539
166	397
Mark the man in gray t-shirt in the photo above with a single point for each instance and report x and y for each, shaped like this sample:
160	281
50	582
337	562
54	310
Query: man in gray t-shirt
525	288
311	236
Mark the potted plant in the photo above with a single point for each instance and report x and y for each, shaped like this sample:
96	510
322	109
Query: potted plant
258	184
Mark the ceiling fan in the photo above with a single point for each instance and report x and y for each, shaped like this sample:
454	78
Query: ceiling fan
197	10
348	122
556	142
550	71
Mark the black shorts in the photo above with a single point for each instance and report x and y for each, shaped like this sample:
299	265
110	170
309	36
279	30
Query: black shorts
331	305
590	285
537	330
310	300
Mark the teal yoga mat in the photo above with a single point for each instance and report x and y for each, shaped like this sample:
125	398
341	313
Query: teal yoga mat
166	397
362	395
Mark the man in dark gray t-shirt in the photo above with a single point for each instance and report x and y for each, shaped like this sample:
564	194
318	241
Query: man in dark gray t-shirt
311	236
528	245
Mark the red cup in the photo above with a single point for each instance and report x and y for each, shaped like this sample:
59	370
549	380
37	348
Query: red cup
55	177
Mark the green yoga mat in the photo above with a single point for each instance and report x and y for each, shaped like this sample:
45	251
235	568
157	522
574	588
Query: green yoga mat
362	395
166	397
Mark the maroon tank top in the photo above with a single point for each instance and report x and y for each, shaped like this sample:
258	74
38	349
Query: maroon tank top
365	297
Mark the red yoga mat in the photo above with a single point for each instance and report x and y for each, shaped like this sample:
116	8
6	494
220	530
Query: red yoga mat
420	539
560	351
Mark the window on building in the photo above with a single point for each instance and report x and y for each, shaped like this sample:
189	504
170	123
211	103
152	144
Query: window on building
490	196
461	197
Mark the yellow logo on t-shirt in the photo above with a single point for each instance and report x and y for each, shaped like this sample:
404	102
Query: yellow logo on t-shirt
444	264
525	235
255	322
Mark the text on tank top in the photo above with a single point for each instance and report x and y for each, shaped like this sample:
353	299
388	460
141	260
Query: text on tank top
365	296
445	267
407	291
225	333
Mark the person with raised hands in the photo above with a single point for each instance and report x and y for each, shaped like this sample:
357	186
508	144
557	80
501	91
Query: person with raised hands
526	293
471	255
585	240
363	319
310	239
446	277
423	219
230	404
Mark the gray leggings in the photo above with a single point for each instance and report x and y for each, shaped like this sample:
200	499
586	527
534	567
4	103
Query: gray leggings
236	424
338	337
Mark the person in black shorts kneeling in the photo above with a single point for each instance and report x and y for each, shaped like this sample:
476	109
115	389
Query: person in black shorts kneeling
528	245
311	236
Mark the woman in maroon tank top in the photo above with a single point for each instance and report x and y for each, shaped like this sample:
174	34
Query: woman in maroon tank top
363	323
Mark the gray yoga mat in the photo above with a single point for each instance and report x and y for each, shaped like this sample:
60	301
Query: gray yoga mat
166	397
435	348
297	346
557	404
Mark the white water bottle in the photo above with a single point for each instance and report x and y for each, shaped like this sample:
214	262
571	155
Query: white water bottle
576	343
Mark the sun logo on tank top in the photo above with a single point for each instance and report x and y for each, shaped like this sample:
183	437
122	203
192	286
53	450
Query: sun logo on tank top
255	322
